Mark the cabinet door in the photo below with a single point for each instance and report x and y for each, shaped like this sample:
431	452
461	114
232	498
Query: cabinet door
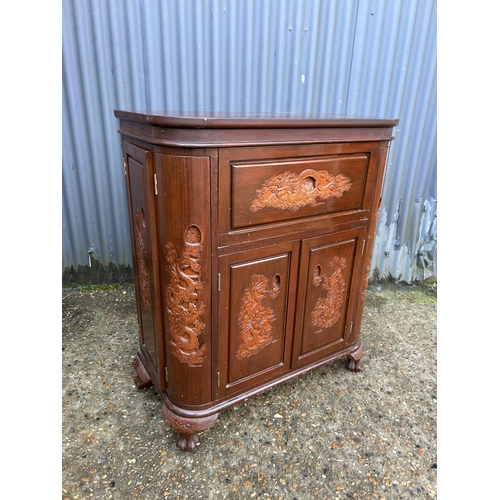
255	322
139	165
326	301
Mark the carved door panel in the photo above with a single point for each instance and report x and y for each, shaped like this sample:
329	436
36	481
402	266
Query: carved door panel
184	233
329	276
139	165
255	324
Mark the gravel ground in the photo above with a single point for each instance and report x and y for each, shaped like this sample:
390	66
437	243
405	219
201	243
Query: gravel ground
330	434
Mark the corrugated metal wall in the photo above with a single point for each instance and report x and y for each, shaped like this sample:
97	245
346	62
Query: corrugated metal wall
358	58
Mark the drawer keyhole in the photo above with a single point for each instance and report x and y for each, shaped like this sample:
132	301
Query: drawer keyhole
274	292
309	184
276	282
317	275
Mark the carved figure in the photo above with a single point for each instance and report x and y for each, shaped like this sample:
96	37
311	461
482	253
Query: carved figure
255	319
291	191
183	304
326	311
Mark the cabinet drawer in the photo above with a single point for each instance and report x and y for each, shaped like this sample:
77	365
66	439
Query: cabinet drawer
271	191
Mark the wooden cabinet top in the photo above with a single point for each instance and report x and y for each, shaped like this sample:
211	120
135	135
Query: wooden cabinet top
231	129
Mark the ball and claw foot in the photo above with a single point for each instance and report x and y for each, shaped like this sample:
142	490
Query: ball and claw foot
354	359
188	428
354	365
143	379
187	442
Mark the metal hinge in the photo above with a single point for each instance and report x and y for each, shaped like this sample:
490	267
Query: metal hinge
218	379
125	165
218	282
350	329
156	184
363	247
166	374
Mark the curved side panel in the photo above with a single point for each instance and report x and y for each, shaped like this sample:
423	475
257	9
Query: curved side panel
183	186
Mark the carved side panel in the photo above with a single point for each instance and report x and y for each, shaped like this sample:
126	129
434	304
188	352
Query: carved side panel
368	253
254	319
140	235
184	233
183	303
364	284
291	191
326	311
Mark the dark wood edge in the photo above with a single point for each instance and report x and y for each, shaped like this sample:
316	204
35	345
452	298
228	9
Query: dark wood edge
287	230
257	120
217	138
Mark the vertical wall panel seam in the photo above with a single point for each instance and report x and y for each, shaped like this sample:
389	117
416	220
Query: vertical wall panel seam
348	93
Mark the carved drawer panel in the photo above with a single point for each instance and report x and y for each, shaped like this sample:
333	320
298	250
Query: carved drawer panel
291	188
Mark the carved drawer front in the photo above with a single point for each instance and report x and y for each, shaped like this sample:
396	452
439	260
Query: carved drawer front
253	318
325	288
290	188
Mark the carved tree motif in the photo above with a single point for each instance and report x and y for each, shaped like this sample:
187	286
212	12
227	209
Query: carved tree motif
255	319
183	304
326	311
366	279
364	286
140	234
291	191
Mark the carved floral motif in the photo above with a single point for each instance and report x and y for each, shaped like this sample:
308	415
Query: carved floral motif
326	311
364	285
366	278
183	304
255	319
291	191
140	235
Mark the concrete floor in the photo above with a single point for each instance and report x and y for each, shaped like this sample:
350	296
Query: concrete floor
330	434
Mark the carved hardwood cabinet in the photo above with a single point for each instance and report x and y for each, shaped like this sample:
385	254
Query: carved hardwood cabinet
252	241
